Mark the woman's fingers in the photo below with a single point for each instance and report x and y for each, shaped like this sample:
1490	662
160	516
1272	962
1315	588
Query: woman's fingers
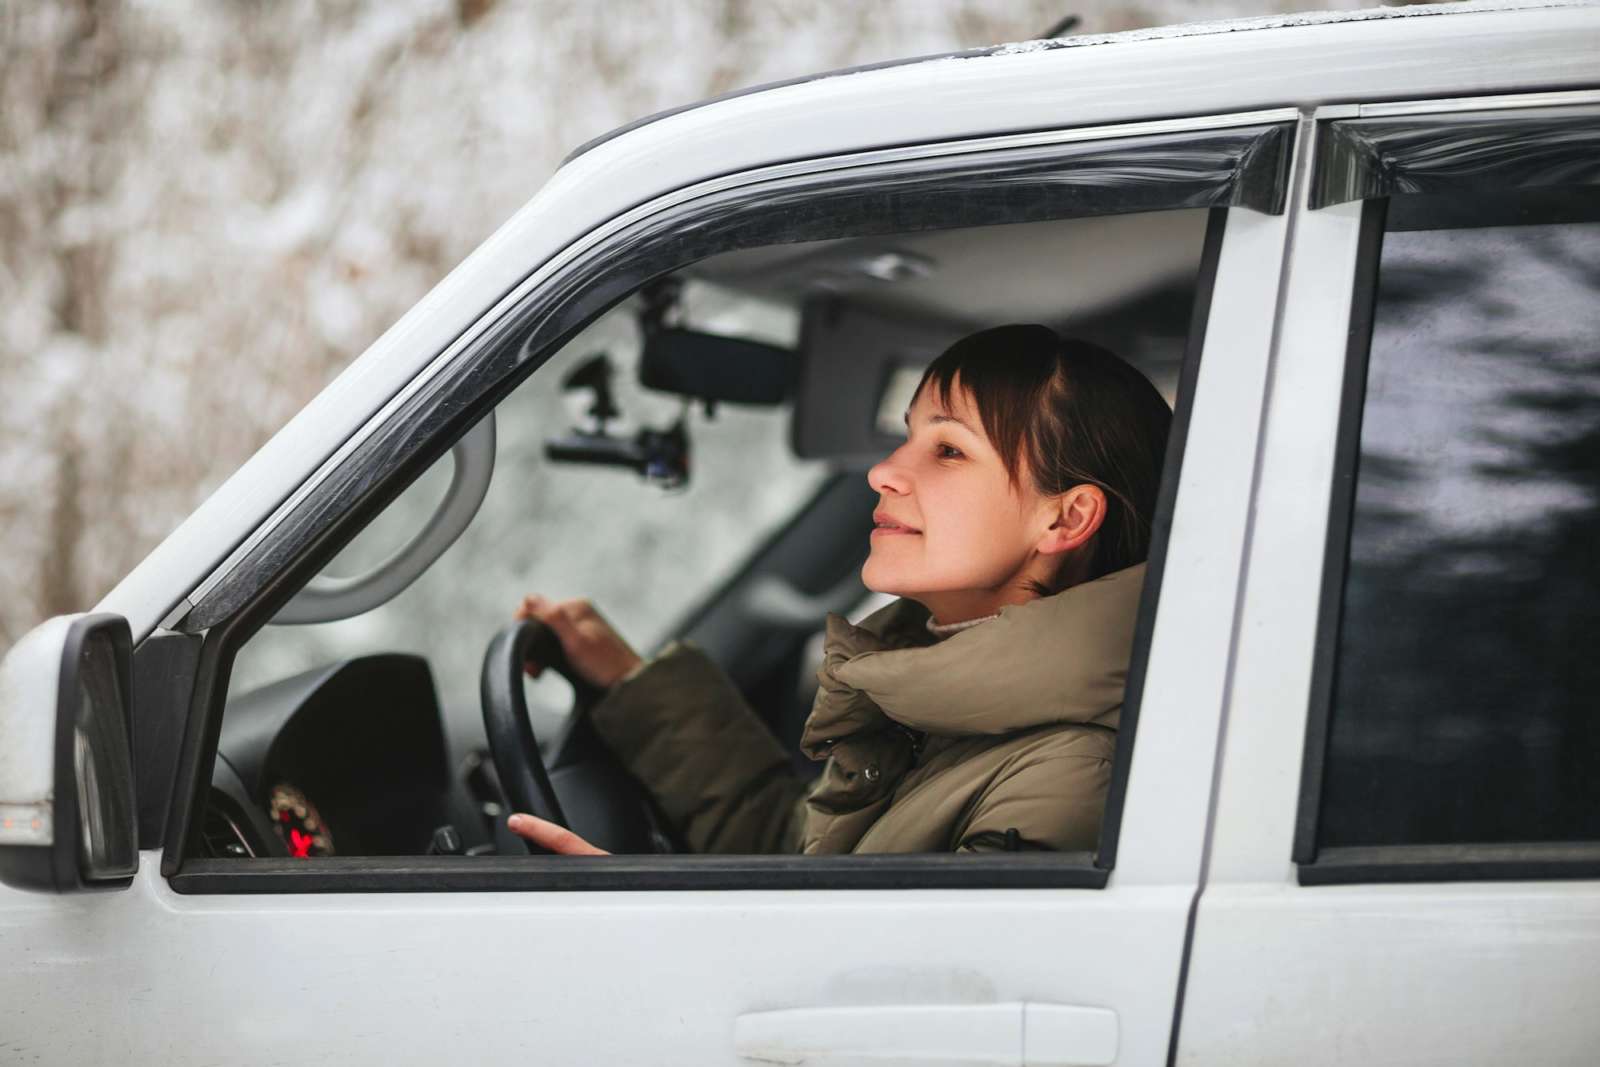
531	607
560	618
592	646
552	838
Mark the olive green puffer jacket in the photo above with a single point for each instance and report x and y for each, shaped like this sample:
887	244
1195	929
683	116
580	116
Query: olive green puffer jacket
998	736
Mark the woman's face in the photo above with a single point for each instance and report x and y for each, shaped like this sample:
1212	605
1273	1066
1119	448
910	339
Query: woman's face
951	530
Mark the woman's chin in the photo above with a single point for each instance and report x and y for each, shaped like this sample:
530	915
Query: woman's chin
879	578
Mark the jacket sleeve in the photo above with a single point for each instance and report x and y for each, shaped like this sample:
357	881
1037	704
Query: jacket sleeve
1054	803
683	729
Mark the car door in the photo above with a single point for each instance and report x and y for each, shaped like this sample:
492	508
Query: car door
1031	957
1407	833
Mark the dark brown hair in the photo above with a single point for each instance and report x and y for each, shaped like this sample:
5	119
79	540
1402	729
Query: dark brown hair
1067	413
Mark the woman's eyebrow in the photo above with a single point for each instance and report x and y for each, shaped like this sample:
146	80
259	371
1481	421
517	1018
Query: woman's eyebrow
936	419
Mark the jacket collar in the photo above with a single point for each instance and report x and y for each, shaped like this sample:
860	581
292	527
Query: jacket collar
1057	659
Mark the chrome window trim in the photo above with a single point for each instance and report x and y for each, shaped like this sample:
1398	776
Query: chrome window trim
1400	108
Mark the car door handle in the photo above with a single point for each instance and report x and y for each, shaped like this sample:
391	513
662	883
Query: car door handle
1013	1034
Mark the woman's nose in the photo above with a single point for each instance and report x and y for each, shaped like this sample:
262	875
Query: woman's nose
888	477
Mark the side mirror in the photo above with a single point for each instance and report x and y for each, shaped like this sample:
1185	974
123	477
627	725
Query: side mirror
66	767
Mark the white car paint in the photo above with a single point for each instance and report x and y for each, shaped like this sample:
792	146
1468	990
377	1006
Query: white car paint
29	691
1278	972
559	978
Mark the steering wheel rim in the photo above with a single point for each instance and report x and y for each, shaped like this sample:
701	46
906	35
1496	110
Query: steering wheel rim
605	804
515	750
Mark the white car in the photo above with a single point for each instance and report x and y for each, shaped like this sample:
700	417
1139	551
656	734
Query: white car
1354	816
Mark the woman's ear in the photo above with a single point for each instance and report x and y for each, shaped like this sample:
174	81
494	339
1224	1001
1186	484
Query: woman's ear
1079	513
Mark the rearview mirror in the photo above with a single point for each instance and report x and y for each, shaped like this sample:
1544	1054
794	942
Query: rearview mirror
705	366
66	768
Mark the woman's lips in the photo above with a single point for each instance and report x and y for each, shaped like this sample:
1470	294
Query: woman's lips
884	526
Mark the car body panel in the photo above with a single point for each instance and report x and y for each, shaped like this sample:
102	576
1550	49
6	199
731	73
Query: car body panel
617	978
1434	973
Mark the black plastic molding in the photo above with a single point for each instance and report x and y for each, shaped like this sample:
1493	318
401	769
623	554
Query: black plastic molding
1452	863
554	874
1483	151
164	667
1341	510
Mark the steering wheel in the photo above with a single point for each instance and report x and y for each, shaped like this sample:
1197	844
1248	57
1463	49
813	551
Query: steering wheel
585	788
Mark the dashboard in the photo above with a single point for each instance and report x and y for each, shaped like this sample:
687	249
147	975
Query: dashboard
348	759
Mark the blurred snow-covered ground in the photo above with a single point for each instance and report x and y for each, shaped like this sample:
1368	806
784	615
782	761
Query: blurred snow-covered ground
208	209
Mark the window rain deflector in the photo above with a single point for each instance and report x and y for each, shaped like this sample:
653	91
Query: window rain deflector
1485	151
1243	166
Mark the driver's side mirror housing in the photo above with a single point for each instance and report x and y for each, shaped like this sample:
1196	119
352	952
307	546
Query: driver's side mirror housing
67	811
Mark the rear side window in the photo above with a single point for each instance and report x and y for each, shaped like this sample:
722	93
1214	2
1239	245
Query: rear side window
1464	705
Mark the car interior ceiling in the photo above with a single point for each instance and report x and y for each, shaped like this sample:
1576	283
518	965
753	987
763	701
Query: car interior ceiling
869	307
1125	281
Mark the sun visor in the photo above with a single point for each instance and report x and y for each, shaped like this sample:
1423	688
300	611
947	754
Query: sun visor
858	369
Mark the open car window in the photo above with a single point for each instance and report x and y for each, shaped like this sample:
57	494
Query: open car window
747	535
685	553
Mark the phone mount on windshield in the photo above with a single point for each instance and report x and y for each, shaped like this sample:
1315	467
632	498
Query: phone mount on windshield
704	367
660	456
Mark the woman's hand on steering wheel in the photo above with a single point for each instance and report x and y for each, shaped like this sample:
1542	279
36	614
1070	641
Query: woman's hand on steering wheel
594	649
552	838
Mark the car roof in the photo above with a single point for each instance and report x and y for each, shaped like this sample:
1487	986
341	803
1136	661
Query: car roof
1201	28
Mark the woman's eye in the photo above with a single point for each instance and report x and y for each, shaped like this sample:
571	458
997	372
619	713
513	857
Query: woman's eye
944	451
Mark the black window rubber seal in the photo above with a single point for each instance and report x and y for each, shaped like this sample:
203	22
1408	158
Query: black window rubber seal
493	874
1160	533
1379	864
1341	514
1217	169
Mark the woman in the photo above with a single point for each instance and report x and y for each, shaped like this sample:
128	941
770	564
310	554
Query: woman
979	712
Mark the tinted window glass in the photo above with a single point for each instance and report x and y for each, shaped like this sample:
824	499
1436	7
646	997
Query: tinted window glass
1466	696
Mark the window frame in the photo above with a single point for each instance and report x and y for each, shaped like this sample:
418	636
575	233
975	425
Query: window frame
1370	158
1233	161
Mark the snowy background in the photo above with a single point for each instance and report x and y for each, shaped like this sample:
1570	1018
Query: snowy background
208	209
